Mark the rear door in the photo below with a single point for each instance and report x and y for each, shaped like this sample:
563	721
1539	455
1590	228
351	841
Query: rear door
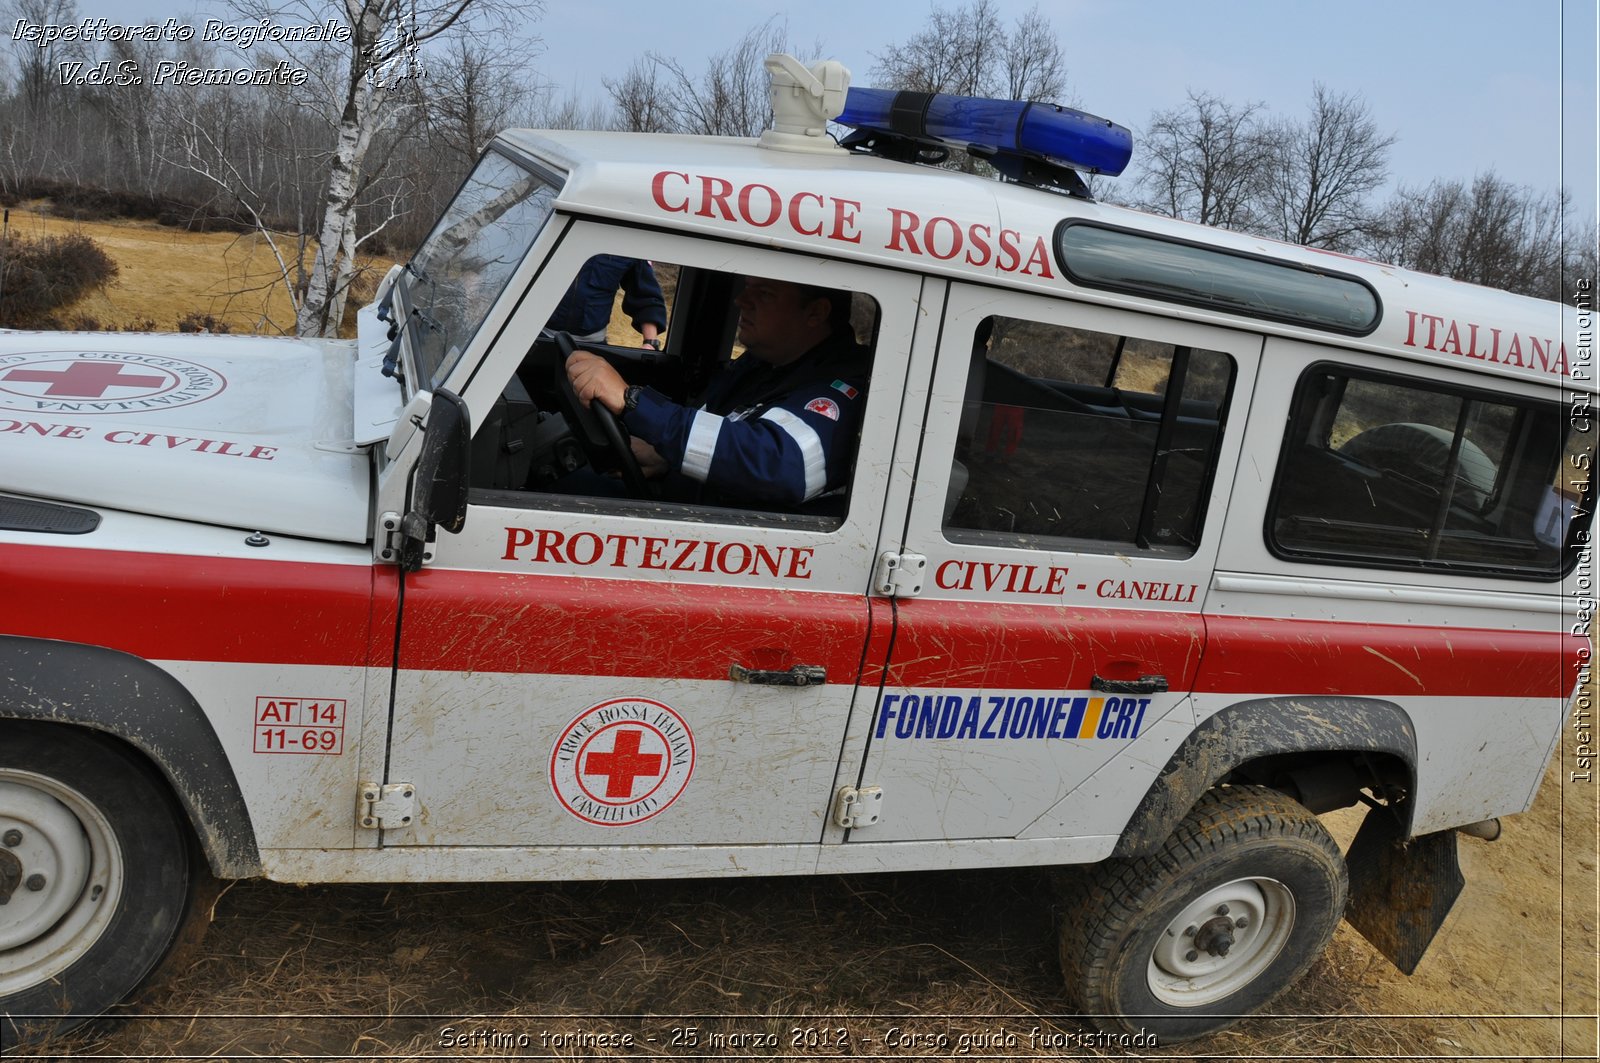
1068	504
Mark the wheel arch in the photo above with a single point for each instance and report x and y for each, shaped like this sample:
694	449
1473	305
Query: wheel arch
1269	740
134	701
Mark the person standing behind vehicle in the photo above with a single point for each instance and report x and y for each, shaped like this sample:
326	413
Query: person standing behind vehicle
585	310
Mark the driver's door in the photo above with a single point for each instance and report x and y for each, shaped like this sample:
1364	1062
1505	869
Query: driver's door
570	667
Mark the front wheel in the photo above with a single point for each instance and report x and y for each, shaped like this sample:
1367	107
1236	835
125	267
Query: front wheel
95	876
1236	906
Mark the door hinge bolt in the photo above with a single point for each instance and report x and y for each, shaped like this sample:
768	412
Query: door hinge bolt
387	807
854	809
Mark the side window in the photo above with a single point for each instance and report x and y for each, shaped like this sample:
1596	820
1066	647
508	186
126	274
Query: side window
1394	472
1107	440
750	395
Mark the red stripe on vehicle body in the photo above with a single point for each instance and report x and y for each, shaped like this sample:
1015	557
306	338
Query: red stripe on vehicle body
566	625
1252	655
180	607
997	646
183	607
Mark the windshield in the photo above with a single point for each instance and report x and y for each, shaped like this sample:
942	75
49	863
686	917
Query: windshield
465	263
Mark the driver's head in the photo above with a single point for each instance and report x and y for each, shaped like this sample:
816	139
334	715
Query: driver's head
779	320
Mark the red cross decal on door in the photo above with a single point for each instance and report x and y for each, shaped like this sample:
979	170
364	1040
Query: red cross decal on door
84	380
623	764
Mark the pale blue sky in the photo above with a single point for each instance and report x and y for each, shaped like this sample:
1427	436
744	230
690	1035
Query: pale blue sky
1465	85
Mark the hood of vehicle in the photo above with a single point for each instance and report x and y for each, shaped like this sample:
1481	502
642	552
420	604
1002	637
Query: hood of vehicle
244	432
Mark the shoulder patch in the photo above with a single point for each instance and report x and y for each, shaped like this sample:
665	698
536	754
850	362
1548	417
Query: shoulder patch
827	407
845	389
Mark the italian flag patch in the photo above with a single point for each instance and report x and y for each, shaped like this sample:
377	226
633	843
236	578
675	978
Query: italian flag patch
845	389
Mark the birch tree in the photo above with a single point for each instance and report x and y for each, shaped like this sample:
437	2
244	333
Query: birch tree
371	85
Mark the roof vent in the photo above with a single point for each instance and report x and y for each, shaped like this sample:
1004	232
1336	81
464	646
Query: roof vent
804	101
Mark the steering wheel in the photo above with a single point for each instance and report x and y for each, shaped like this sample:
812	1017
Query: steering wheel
596	427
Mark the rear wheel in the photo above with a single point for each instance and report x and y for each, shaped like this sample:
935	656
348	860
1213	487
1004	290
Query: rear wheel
1236	906
96	876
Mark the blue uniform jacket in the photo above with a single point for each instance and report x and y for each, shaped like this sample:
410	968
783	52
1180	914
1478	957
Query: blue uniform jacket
586	308
779	435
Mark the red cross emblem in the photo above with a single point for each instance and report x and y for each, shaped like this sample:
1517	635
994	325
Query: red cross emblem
84	380
622	761
623	764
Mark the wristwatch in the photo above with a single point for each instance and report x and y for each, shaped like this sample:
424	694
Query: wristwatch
653	342
630	397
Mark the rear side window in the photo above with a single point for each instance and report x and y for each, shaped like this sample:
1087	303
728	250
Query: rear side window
1106	440
1393	472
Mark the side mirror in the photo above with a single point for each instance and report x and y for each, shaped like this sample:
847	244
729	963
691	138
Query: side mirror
439	485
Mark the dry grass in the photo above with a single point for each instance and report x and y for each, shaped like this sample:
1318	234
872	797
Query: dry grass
352	972
166	273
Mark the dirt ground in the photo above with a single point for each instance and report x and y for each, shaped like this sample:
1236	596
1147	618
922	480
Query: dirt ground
880	966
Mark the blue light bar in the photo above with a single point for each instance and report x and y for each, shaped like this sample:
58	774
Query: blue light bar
1082	141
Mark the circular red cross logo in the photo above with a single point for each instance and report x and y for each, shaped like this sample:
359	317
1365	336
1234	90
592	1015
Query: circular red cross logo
622	761
102	382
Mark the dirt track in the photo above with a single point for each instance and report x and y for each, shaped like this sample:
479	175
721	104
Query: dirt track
834	967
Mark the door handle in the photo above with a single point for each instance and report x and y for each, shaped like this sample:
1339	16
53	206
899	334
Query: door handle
801	675
1145	684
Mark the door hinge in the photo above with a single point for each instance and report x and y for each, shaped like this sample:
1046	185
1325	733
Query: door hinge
854	809
388	807
394	537
899	575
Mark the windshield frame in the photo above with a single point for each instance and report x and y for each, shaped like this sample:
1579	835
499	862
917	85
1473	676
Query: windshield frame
433	351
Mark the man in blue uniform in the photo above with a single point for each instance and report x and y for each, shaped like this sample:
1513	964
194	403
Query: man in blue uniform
778	426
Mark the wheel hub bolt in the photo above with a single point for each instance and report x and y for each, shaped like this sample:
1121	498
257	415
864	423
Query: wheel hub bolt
11	839
1190	932
35	883
1191	955
1241	922
1222	909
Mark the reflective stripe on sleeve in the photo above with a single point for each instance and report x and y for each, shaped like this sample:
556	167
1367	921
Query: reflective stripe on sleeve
702	444
816	462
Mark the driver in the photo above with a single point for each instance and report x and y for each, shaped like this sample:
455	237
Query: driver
778	425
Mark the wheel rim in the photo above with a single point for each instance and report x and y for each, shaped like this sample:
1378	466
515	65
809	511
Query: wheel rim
1205	955
61	872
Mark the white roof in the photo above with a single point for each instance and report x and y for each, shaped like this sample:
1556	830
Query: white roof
977	229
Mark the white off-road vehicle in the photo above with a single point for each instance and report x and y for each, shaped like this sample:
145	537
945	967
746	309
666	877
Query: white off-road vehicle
1159	542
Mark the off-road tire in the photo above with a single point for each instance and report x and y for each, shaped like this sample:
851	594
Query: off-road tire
1240	844
116	930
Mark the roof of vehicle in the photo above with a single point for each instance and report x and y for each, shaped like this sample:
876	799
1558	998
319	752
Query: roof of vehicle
975	228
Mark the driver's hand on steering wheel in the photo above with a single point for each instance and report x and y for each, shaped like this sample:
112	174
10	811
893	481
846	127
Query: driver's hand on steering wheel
593	378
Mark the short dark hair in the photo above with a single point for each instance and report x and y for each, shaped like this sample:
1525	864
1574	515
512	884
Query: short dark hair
838	303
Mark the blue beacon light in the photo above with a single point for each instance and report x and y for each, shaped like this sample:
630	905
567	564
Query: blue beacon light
995	127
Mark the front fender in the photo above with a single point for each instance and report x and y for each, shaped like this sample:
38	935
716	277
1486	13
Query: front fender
132	699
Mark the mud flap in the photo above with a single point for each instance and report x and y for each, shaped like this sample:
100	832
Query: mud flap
1400	892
